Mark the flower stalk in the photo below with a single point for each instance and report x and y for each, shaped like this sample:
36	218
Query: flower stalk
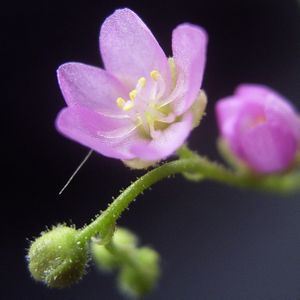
52	254
189	162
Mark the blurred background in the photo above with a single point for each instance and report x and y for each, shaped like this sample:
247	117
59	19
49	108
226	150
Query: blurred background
216	242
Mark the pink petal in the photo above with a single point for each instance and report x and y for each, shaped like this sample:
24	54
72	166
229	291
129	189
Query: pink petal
129	49
250	115
252	91
277	108
108	136
189	50
288	121
167	142
264	95
227	110
90	87
268	149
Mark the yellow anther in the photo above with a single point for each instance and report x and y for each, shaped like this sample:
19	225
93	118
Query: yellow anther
132	94
120	102
154	75
128	106
142	82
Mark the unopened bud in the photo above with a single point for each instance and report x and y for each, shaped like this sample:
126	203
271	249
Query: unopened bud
139	279
122	239
56	258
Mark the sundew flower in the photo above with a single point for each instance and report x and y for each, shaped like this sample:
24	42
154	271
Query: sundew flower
260	127
143	106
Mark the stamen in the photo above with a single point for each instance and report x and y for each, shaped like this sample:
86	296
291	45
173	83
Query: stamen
154	75
128	106
146	110
150	122
120	102
141	82
132	94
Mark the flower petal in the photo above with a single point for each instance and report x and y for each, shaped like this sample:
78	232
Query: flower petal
250	91
189	44
287	120
277	108
90	87
268	149
264	95
227	110
129	49
167	142
108	136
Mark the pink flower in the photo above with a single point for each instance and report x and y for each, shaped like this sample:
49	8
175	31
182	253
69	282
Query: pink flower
142	107
261	128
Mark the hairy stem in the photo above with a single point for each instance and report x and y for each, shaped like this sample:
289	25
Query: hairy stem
194	164
114	210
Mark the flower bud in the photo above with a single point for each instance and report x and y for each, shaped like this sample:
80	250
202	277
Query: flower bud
260	128
139	279
123	239
56	258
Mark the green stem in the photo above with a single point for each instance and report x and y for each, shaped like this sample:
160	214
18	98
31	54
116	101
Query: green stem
113	212
193	164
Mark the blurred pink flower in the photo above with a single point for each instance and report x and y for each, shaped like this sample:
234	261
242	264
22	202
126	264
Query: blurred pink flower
142	107
261	128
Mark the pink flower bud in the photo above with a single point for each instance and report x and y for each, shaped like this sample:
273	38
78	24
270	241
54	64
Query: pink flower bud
260	127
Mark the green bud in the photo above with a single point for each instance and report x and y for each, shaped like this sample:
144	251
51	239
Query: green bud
103	258
140	278
138	268
122	239
56	258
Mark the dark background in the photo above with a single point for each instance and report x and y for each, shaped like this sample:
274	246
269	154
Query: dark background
216	242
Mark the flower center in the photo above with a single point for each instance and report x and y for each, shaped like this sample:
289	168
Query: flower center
145	106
